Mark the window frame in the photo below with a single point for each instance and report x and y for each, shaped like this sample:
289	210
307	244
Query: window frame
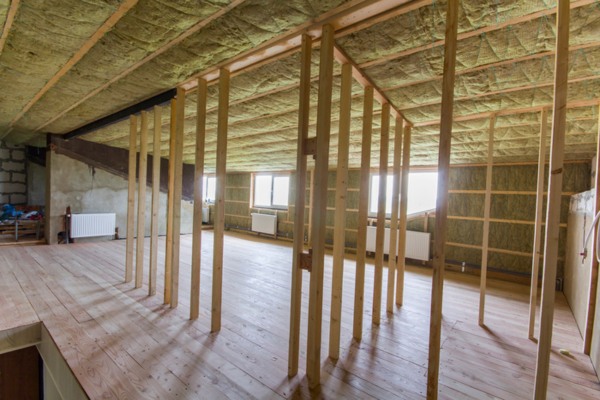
273	175
205	179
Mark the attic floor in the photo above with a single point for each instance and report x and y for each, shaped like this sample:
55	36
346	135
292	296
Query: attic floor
120	343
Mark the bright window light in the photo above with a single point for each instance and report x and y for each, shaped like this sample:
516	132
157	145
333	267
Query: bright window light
209	188
271	191
422	193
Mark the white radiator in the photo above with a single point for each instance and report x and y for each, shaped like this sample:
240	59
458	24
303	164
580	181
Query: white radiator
417	243
264	223
90	225
205	215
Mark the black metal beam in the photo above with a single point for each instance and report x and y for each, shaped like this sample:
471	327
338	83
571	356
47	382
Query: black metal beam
121	115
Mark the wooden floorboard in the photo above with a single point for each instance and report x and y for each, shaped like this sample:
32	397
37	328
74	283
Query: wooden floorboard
121	343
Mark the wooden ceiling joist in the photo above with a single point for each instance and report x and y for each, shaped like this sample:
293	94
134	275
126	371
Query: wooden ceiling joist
345	20
87	46
10	18
476	32
146	59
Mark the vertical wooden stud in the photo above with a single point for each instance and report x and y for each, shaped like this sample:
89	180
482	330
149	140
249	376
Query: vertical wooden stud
155	200
311	194
401	264
559	117
441	213
219	225
315	299
131	199
486	221
363	213
341	188
381	201
299	204
591	306
141	211
394	217
537	233
177	189
198	181
169	238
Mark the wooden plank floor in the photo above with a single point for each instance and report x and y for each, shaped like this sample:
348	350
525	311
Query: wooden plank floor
120	343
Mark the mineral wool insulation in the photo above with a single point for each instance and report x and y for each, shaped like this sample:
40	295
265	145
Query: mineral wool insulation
266	122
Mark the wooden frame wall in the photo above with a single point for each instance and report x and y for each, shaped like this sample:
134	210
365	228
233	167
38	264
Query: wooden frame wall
169	238
537	230
155	201
219	224
441	212
381	200
131	177
559	117
315	300
198	199
486	221
177	189
339	242
363	213
298	250
141	209
394	217
401	263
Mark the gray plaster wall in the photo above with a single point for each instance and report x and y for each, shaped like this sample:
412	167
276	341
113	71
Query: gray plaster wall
13	177
91	190
36	184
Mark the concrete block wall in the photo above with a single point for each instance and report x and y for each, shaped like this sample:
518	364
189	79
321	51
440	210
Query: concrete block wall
13	174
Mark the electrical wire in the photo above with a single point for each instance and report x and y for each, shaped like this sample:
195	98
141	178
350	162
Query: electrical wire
587	239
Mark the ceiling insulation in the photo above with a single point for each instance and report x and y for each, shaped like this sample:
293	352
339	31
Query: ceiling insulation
505	65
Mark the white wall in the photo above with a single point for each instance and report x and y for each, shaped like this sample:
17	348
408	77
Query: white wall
577	274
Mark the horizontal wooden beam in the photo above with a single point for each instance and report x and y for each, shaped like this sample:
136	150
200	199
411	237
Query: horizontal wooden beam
20	337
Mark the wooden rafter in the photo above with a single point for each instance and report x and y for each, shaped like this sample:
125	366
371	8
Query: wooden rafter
146	59
10	18
476	32
87	46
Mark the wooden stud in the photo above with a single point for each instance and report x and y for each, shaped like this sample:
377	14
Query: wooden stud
363	213
155	200
131	198
315	300
401	263
198	199
177	190
141	210
311	197
537	231
559	116
437	287
339	237
394	217
219	225
381	200
486	221
299	204
591	306
169	238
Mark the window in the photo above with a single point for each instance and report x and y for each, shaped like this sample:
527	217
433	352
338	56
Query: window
209	187
271	190
422	193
